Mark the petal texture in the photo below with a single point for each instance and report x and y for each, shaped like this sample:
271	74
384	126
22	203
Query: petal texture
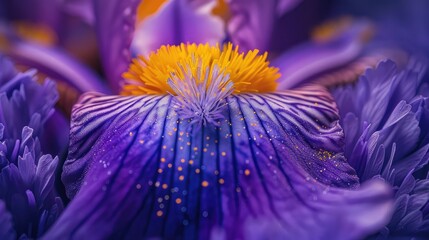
23	101
137	170
385	118
28	198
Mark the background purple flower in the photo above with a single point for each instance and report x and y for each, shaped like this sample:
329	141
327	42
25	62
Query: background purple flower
40	34
387	136
28	201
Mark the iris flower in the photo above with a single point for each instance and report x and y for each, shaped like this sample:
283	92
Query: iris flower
208	139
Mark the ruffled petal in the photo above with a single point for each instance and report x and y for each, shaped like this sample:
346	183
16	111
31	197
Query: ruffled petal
26	175
25	102
383	113
35	103
135	169
385	122
72	77
6	225
27	184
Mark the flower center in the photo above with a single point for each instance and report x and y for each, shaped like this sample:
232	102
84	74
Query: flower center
201	77
201	64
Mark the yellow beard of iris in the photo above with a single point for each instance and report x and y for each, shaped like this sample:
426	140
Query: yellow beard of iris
248	72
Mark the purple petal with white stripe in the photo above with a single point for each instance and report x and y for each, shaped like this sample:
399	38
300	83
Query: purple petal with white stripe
135	170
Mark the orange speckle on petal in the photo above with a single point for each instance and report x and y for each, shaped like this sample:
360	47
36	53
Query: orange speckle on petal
159	213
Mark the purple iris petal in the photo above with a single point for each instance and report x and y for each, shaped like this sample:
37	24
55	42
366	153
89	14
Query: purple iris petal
308	60
115	26
56	64
252	22
134	170
386	133
82	8
178	21
175	22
